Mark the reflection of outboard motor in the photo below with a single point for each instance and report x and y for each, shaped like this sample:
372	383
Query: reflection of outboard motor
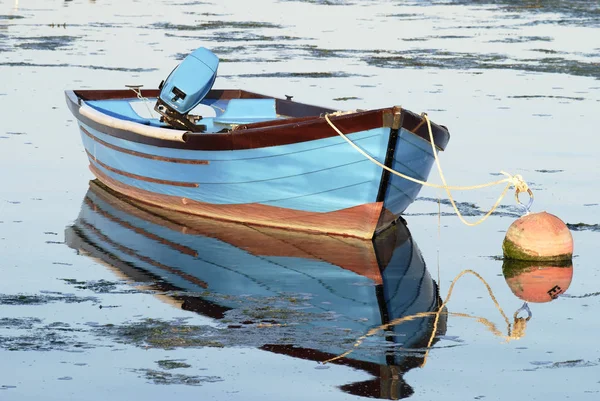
185	88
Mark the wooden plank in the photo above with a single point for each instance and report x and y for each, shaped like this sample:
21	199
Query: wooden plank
140	177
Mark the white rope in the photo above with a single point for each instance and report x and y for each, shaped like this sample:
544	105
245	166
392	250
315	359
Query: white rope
511	180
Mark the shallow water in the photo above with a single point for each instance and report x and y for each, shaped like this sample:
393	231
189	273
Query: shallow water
516	82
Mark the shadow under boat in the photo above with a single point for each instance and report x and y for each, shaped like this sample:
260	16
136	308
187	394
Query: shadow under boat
214	268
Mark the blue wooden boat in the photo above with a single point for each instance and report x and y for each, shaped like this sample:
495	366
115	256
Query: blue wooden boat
339	285
245	157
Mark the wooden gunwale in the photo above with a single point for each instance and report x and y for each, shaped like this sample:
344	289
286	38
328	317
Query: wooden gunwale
140	154
307	126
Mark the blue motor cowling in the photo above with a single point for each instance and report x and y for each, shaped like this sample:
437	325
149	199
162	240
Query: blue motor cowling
185	88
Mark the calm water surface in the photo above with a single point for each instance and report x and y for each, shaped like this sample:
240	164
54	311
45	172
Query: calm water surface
100	299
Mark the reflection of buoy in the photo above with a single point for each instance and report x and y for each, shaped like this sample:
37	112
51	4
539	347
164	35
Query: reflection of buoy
535	282
538	237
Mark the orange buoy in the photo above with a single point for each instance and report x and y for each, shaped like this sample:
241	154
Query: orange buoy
536	282
538	237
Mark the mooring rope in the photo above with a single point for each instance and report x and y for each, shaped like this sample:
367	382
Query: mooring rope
511	180
515	335
138	91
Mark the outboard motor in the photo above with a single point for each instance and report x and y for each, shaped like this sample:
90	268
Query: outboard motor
184	89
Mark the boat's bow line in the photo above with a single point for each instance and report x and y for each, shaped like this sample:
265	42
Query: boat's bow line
184	89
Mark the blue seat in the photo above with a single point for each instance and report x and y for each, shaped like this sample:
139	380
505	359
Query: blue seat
120	109
244	111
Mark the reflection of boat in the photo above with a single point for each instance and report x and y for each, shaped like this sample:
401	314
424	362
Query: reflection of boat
343	283
258	159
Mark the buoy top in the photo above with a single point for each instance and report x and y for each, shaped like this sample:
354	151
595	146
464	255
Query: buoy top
538	237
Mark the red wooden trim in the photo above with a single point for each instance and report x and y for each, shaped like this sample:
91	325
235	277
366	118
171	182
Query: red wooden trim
359	221
141	177
257	136
140	154
115	94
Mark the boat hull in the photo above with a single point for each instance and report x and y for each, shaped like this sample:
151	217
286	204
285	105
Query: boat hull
316	183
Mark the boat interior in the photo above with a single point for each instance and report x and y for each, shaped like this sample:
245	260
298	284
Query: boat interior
219	110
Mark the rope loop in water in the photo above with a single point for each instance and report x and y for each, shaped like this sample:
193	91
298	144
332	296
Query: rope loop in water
515	331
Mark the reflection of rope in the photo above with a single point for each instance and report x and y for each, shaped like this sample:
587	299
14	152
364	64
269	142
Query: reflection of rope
443	305
511	180
518	330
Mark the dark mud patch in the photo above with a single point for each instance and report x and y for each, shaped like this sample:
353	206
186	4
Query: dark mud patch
583	227
224	50
547	51
337	74
107	25
170	364
323	2
161	334
579	12
588	295
523	39
25	323
225	54
166	378
194	3
549	171
343	99
317	52
545	97
468	209
450	37
575	363
407	16
286	321
254	325
44	339
10	17
432	58
214	25
28	299
64	65
102	286
236	36
46	42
